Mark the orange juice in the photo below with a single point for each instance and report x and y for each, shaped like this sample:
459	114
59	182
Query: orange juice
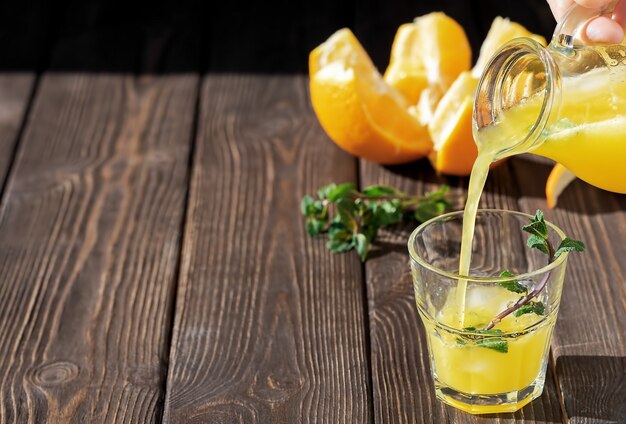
587	136
468	367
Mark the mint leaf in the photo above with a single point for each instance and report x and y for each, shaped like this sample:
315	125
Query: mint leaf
531	308
340	191
312	208
361	245
429	210
346	213
512	285
339	246
388	212
338	231
306	205
537	242
537	226
314	226
438	194
323	192
380	191
569	245
496	343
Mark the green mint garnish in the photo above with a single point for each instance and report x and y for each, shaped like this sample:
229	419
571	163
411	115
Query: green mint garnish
538	239
494	343
497	344
351	218
512	285
569	245
531	308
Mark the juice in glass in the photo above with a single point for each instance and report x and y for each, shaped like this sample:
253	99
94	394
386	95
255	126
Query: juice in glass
502	369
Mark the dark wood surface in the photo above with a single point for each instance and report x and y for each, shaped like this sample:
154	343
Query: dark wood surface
90	245
155	272
154	265
271	325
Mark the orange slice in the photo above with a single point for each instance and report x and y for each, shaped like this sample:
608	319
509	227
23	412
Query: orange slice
406	70
560	177
454	150
450	128
426	57
359	111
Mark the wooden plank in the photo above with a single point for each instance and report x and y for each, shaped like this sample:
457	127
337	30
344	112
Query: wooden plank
89	243
269	326
15	90
590	338
403	387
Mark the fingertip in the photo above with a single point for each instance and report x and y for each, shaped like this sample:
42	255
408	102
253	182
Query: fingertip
604	30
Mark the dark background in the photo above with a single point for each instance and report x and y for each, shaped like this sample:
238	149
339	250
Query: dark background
273	36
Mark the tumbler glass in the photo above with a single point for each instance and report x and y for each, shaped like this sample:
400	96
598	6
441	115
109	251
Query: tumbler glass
479	363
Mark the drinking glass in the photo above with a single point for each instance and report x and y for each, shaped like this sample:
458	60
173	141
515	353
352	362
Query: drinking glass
476	368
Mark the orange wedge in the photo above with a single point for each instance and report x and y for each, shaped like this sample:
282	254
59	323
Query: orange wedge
560	177
359	111
426	57
454	150
406	70
450	128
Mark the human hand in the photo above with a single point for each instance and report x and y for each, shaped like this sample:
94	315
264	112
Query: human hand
601	29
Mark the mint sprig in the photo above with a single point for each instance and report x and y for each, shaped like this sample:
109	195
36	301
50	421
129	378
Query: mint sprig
540	240
351	218
527	304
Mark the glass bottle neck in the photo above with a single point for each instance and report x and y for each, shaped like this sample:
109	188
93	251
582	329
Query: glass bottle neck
520	85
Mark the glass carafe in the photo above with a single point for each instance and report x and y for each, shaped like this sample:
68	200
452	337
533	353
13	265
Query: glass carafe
566	101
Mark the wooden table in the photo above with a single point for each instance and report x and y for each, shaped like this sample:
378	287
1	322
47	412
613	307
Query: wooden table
155	268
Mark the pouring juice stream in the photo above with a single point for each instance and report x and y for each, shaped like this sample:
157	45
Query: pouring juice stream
589	138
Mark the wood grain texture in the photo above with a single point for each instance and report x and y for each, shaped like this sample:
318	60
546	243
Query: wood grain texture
403	387
90	232
270	326
589	344
15	89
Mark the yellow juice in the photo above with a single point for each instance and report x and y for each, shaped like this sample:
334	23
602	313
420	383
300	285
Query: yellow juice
470	368
587	135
